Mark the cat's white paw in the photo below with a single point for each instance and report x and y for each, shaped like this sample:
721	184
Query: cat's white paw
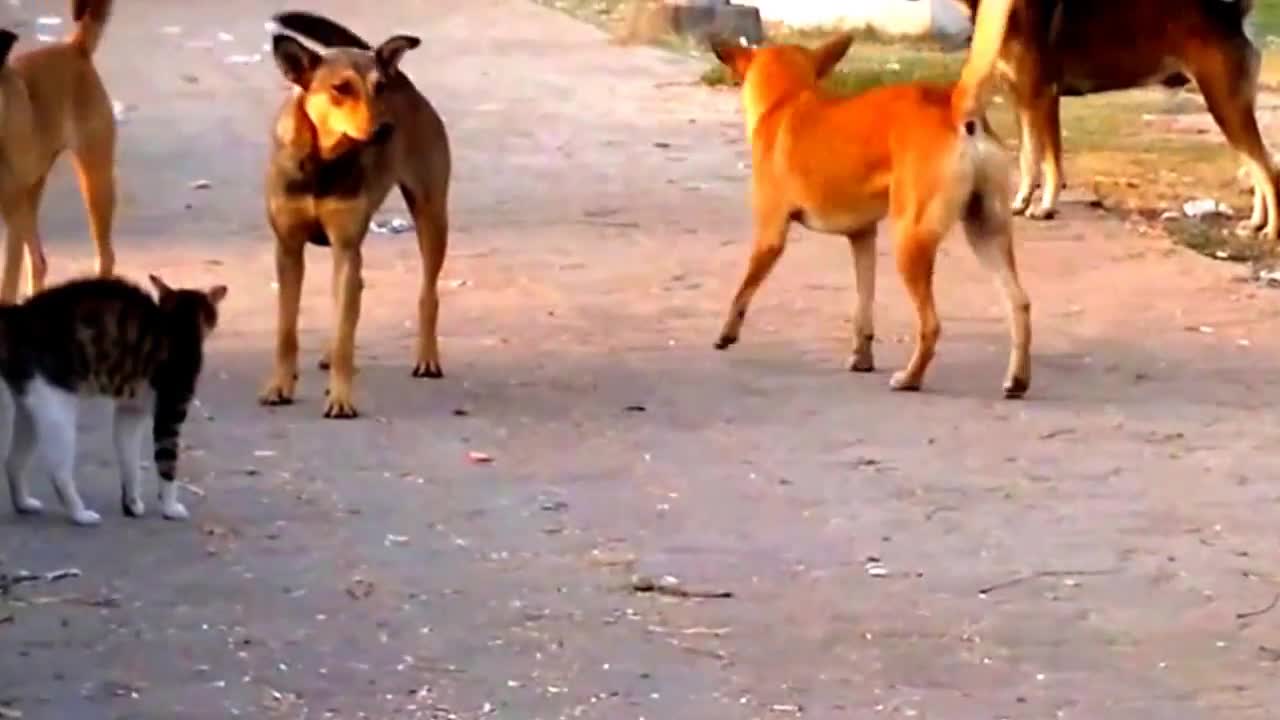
135	508
28	505
175	511
86	517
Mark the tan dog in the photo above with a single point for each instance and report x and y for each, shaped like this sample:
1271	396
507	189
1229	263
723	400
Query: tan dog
354	127
51	100
1066	48
917	153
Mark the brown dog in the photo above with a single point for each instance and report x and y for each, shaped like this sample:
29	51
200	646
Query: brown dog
51	100
354	126
917	153
1065	48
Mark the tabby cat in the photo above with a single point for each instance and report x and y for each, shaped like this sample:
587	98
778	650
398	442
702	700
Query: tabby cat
100	337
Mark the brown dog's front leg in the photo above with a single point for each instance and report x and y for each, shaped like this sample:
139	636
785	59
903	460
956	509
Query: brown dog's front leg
771	240
290	266
348	263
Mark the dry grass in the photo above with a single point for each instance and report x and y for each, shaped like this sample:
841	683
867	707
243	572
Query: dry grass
1141	152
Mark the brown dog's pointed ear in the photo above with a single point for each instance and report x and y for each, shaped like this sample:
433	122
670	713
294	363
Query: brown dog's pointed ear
8	39
389	52
297	62
217	294
733	55
829	54
162	288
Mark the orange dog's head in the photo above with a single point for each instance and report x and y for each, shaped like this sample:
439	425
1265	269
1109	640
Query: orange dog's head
342	88
785	65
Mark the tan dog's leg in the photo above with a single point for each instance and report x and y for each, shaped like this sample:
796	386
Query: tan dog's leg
348	263
335	292
20	215
917	249
771	239
290	267
863	245
990	235
432	223
1228	79
95	163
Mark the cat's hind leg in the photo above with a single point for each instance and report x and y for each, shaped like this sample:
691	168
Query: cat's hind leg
53	415
131	422
15	451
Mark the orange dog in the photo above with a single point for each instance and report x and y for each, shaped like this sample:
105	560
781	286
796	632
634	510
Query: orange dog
919	153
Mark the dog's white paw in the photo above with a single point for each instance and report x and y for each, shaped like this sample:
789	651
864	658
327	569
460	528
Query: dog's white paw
175	511
28	505
86	518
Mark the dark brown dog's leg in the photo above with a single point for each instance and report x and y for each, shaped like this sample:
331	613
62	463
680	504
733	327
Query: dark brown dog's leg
431	218
348	263
95	167
290	267
990	234
863	245
1227	76
771	239
1043	126
916	250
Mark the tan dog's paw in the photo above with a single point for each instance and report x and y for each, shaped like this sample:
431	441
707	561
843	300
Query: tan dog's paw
1042	213
428	368
724	342
278	392
903	382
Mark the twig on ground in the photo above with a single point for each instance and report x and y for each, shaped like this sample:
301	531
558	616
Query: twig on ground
1255	613
1044	574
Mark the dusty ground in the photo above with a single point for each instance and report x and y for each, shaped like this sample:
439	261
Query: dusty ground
367	569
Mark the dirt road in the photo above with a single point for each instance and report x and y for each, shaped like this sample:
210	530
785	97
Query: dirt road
1122	518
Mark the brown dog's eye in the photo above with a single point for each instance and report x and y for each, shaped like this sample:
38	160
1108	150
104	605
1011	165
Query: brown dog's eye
343	90
377	85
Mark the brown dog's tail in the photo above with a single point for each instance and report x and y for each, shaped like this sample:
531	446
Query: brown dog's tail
90	17
970	93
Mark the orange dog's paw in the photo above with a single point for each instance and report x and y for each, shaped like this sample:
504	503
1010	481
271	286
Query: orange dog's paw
903	382
726	341
1016	388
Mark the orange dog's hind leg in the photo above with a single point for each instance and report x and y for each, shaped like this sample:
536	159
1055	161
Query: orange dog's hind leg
863	245
771	239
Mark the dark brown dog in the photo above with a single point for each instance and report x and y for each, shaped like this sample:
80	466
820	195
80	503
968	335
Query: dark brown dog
1065	48
52	100
354	126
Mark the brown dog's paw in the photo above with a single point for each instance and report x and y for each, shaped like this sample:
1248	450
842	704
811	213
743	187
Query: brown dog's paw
277	394
1016	388
428	369
904	383
323	363
1042	213
340	408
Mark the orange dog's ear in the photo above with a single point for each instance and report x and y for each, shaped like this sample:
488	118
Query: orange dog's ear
733	55
829	54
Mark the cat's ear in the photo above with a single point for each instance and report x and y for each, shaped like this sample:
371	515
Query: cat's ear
217	294
161	287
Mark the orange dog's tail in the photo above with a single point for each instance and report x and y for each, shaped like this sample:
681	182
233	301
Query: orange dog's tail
90	17
970	94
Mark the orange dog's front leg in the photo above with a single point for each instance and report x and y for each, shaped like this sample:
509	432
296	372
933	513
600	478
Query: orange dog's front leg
771	239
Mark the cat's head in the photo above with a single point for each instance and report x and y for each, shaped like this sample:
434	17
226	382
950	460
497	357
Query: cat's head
199	307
